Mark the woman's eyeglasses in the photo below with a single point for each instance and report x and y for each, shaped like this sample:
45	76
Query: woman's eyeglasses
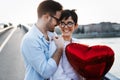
69	24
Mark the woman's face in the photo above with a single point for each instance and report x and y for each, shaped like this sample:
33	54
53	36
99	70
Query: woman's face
67	27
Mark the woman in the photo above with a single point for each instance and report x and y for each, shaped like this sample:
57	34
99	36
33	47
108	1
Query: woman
68	23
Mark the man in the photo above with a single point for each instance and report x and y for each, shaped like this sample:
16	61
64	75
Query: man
41	59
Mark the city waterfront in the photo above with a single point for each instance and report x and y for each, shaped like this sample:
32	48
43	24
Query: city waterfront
111	42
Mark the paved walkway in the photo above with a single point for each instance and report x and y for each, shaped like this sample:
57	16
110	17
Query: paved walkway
11	62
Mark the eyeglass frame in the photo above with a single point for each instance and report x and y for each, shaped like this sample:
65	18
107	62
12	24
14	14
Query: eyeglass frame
57	20
69	24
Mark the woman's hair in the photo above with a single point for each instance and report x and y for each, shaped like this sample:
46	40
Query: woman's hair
48	6
69	13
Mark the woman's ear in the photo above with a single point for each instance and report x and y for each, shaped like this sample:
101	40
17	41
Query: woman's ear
76	26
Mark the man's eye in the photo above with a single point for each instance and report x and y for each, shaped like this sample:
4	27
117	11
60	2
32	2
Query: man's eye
63	23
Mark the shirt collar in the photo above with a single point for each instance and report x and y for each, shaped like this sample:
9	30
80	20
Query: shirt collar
40	34
51	34
37	31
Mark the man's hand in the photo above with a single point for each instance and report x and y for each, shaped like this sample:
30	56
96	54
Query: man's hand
59	41
60	45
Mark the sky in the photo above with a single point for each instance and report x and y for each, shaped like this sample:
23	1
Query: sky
88	11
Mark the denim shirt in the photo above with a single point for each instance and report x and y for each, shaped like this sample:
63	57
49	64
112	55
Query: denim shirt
37	52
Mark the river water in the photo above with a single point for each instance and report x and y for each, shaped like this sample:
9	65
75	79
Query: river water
114	43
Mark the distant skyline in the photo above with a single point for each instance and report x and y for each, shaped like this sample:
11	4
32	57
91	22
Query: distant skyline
89	11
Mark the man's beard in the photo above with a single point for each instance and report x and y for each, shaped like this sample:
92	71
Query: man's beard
51	30
50	27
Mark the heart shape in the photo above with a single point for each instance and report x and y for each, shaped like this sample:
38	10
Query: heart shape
92	62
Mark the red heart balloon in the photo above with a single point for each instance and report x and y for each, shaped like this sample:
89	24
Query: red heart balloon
92	62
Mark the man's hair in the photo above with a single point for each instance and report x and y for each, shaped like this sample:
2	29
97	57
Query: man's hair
69	13
48	6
